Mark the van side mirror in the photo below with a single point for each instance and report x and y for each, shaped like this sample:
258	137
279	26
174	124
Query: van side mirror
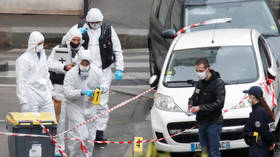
168	33
271	73
153	81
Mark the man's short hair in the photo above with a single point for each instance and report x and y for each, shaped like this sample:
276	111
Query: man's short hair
203	61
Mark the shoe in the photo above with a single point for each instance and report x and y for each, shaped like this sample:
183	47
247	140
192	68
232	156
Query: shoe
100	136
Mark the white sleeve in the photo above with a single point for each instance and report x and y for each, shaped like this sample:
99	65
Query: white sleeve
21	73
69	91
54	65
117	50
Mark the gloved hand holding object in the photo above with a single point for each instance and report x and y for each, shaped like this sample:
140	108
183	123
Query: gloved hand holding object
96	96
87	92
83	30
100	88
118	75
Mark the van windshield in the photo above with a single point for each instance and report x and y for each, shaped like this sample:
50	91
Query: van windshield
246	14
236	64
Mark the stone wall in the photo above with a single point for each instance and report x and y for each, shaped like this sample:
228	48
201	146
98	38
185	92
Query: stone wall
63	7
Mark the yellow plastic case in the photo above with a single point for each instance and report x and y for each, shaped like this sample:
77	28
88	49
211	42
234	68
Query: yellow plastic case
30	118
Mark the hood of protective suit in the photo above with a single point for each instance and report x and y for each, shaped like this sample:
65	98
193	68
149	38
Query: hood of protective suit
73	32
34	39
94	15
83	55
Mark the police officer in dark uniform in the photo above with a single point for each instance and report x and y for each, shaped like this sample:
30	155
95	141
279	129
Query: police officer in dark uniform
259	130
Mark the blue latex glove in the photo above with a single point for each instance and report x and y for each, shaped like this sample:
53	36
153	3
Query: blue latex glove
118	75
83	30
101	89
87	92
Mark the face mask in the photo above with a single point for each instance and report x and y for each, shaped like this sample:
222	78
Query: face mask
95	26
84	75
84	68
39	48
74	45
250	101
202	75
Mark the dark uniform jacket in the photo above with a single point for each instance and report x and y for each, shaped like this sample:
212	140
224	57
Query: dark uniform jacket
260	122
210	97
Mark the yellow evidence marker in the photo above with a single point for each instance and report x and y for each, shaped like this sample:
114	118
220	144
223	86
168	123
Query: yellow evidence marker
138	146
96	97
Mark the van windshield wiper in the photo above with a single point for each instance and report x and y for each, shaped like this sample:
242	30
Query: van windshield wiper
190	82
271	35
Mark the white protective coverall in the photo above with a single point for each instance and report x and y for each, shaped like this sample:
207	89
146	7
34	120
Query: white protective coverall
95	15
78	107
34	88
58	67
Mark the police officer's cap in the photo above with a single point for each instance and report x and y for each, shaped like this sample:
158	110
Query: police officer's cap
255	91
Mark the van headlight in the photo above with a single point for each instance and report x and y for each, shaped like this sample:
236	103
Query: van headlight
165	103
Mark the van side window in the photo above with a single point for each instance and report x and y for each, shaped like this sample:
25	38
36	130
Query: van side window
155	7
163	10
264	56
176	16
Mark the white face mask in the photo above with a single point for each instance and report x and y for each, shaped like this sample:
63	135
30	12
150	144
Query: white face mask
250	101
202	75
39	48
95	26
84	75
84	68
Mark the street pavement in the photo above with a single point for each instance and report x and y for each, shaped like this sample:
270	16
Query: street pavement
125	123
136	72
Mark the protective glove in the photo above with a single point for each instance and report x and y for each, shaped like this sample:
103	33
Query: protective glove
83	30
87	92
118	75
100	88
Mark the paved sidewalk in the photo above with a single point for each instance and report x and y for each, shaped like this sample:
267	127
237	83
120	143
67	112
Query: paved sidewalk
130	18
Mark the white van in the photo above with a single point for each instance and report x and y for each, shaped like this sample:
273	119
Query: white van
242	58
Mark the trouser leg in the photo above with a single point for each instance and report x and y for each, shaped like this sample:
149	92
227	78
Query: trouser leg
57	108
82	133
47	107
203	137
214	135
61	125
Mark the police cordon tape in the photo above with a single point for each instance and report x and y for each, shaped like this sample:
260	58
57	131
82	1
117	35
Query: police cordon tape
108	111
207	22
54	142
83	148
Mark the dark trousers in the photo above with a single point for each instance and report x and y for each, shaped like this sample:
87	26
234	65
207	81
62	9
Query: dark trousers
209	138
258	151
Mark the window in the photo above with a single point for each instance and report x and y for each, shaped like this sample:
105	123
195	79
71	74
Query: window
163	11
176	15
244	14
155	6
264	56
181	67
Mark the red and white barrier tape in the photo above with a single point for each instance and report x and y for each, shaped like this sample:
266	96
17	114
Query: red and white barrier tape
107	112
207	22
83	148
60	149
23	135
270	82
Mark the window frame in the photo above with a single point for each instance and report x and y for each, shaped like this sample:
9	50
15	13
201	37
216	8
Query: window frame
163	23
